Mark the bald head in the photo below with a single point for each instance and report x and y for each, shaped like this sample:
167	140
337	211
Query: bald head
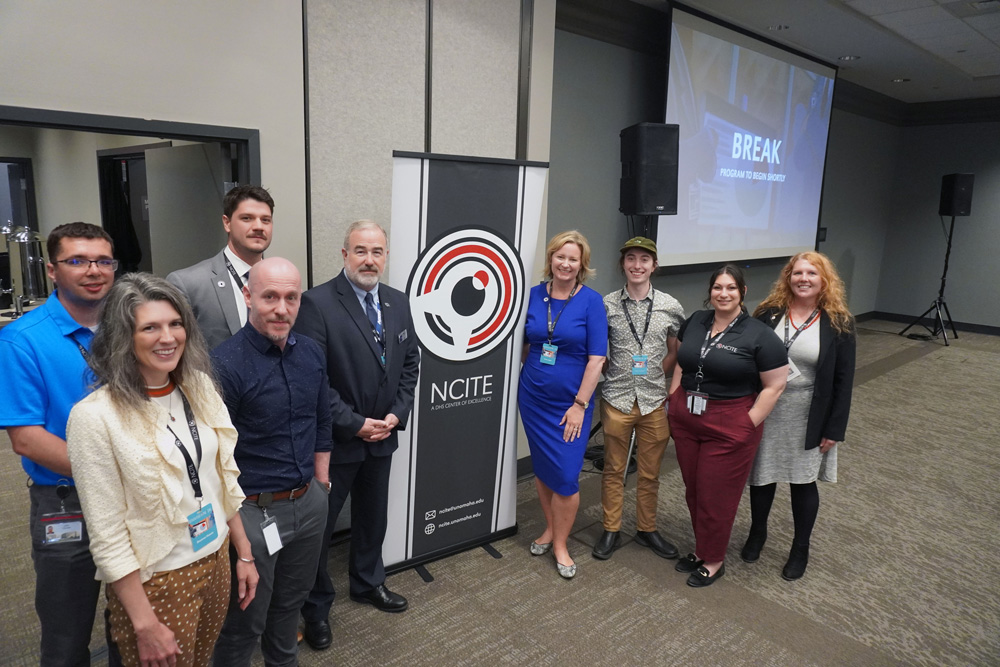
272	294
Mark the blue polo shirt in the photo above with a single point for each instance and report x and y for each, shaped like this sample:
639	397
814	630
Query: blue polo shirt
279	401
43	374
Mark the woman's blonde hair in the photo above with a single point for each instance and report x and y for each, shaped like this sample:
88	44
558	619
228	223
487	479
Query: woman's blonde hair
561	239
832	295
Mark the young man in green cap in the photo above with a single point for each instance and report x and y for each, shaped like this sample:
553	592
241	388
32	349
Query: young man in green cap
642	349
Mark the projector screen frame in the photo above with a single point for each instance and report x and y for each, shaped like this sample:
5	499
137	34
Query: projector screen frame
765	45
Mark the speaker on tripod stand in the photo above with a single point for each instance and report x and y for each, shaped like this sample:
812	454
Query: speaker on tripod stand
956	200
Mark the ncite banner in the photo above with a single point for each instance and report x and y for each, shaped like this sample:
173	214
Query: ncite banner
461	231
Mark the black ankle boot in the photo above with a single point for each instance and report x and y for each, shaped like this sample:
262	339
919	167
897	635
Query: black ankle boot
755	542
798	558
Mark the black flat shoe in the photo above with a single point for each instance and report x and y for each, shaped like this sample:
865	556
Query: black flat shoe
701	578
383	599
318	635
655	541
610	541
751	550
688	564
798	558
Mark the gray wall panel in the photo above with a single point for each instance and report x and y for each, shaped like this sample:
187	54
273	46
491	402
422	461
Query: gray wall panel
857	201
474	77
915	244
366	99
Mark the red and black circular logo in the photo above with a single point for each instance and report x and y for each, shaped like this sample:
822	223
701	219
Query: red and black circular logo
466	291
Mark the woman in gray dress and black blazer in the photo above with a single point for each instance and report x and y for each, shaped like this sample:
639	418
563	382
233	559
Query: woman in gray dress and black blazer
807	309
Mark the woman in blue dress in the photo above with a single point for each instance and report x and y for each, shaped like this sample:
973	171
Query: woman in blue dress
565	342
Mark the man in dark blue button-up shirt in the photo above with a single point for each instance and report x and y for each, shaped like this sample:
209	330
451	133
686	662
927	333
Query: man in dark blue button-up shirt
275	385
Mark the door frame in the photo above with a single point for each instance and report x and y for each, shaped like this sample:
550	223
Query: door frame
249	163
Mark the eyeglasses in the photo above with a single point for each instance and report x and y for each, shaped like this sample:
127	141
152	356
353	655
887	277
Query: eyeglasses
80	263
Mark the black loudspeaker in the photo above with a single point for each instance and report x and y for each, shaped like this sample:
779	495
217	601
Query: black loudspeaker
649	169
956	194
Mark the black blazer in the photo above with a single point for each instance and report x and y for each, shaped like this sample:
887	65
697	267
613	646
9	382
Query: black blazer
831	401
331	315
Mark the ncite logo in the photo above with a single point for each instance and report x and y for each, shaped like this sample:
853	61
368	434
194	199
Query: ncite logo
466	292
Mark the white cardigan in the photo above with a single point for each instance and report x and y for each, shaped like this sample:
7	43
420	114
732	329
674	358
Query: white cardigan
129	492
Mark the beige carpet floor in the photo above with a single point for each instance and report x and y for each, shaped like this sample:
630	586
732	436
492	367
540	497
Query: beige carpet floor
903	567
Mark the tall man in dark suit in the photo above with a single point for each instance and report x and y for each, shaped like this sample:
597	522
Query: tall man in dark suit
215	286
372	361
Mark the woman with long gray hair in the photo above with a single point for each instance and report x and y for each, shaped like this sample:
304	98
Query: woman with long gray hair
152	455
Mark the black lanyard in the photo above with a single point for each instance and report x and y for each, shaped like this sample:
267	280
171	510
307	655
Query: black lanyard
706	347
192	469
83	350
798	330
649	314
548	301
232	271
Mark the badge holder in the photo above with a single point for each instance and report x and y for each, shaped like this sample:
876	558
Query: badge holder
549	352
640	364
269	526
202	527
62	526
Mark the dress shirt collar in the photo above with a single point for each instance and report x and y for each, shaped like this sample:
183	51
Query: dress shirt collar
626	295
238	264
262	343
360	293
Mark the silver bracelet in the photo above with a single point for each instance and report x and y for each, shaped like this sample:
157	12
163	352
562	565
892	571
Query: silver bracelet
246	560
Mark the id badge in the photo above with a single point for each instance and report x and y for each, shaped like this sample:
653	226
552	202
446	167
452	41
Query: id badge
639	364
697	402
271	537
793	371
202	526
549	354
60	527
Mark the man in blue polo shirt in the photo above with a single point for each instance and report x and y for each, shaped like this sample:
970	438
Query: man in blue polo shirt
43	363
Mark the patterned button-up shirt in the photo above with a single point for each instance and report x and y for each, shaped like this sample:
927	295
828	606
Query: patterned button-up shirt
621	388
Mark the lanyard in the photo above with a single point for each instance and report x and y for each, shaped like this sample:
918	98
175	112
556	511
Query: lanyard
706	347
232	272
83	350
192	469
798	330
548	301
649	314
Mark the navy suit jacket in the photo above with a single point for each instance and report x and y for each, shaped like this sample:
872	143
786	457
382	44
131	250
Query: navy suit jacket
831	401
362	387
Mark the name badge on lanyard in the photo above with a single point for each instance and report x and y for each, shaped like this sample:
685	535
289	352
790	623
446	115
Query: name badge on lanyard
549	354
549	350
202	527
640	364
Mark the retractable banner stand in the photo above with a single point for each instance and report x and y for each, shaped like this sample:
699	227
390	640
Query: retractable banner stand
463	237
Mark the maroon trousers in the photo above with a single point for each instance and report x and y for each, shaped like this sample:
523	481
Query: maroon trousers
715	452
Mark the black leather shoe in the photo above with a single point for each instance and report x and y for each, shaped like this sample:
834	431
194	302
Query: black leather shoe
383	599
750	552
701	578
318	635
655	541
688	564
609	542
798	558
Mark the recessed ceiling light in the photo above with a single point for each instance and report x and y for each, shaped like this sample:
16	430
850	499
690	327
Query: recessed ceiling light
849	58
900	80
777	27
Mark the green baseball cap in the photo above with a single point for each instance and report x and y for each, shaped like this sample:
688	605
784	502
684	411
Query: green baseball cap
642	243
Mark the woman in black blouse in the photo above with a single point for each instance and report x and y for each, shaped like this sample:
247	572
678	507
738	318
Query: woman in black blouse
730	371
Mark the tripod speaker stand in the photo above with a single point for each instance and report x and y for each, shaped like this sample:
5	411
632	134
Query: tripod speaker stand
956	199
939	303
